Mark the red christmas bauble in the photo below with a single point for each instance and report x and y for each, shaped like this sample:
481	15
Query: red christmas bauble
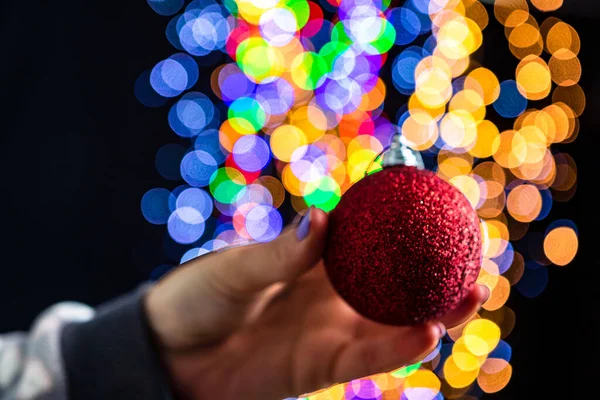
404	246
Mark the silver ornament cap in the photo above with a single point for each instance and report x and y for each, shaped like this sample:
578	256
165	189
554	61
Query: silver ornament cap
400	153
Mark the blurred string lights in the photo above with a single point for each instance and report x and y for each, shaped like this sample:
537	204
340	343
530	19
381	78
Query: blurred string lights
298	108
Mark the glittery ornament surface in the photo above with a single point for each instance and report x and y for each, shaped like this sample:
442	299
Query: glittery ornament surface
404	246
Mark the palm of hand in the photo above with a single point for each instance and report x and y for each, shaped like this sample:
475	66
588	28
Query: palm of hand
302	337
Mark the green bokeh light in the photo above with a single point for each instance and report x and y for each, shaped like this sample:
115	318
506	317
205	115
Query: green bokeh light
246	115
226	184
324	193
407	371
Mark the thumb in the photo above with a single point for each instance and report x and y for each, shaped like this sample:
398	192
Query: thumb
244	271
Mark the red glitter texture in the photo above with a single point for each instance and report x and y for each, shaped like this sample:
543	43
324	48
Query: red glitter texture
404	246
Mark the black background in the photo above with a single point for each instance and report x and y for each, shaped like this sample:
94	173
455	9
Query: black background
78	153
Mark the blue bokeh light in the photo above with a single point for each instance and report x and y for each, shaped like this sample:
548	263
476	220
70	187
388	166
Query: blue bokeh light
155	206
197	167
562	222
202	31
504	260
510	103
546	204
406	23
197	199
251	153
209	142
169	78
193	253
403	69
186	225
502	351
145	93
264	223
166	7
167	161
534	280
191	68
191	114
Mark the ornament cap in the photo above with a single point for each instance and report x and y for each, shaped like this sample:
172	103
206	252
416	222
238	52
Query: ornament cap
399	153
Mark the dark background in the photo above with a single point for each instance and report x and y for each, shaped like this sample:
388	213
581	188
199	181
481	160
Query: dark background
78	153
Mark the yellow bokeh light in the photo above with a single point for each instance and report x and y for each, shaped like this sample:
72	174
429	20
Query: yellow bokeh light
504	8
457	377
514	19
285	140
477	12
469	187
415	106
560	245
433	82
464	358
228	135
525	40
386	381
560	118
310	120
547	5
486	143
458	38
487	81
533	78
516	270
374	98
332	145
524	203
359	163
336	392
275	187
450	167
493	245
470	101
364	142
565	67
524	36
291	182
562	36
492	207
536	143
572	96
543	121
423	378
566	173
511	149
495	375
458	128
483	329
420	130
499	295
490	171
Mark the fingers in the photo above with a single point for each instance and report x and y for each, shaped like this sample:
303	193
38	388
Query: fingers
244	271
385	353
470	304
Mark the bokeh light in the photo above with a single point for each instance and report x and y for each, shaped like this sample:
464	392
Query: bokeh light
298	114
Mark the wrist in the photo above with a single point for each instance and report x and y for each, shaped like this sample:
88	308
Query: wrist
170	352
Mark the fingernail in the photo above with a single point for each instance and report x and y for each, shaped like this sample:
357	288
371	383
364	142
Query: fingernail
441	330
304	225
486	291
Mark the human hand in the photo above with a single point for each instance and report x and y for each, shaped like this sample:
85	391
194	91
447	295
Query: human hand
263	322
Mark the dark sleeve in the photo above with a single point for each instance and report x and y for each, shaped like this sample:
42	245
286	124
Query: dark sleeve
113	356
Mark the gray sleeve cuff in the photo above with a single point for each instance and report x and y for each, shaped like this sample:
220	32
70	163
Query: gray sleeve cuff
113	355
